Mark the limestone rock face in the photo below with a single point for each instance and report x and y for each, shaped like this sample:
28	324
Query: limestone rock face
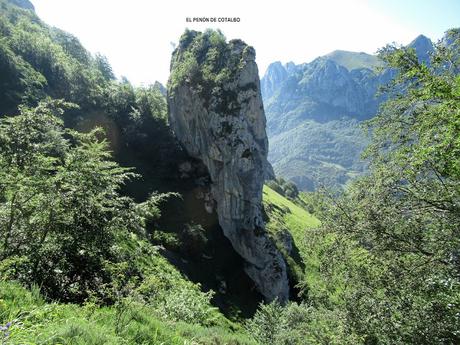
314	111
423	48
274	76
216	112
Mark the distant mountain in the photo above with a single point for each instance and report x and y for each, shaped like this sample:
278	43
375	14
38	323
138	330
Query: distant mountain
314	111
353	60
26	4
423	47
160	87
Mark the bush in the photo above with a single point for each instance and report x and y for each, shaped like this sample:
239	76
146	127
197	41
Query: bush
300	324
60	207
283	187
173	298
193	238
170	240
267	324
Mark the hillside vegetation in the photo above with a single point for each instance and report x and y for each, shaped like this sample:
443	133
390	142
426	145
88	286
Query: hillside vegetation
102	240
77	220
385	252
85	232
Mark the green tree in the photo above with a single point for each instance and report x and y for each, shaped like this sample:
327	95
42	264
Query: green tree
394	236
60	208
103	65
299	324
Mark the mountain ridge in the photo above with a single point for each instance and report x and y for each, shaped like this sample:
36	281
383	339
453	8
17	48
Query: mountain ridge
323	103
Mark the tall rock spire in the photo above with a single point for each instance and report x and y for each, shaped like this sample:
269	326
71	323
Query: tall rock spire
216	112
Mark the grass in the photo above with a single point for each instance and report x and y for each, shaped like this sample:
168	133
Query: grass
134	321
287	217
131	320
35	321
308	242
354	60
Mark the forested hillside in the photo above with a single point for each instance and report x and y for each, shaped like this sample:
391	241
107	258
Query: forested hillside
108	233
82	213
80	206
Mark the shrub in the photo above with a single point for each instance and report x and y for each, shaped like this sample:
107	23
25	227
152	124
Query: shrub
300	324
194	239
60	205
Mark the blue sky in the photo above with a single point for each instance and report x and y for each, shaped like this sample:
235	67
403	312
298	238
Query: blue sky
427	16
138	36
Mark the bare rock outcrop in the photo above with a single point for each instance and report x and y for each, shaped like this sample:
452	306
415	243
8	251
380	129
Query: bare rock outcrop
216	112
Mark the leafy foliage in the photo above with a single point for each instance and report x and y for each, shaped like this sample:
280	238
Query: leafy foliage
66	223
66	228
298	324
204	60
380	268
193	238
60	204
38	61
32	320
283	187
391	262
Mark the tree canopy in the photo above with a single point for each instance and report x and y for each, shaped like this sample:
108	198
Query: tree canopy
393	237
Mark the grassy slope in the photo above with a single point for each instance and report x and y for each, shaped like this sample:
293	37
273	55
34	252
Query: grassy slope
288	214
354	60
308	241
36	322
128	321
284	215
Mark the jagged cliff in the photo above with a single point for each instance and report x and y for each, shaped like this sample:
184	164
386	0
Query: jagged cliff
314	111
216	112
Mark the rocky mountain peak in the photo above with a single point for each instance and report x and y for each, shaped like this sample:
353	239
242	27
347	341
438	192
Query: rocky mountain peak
423	47
290	67
216	113
275	74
